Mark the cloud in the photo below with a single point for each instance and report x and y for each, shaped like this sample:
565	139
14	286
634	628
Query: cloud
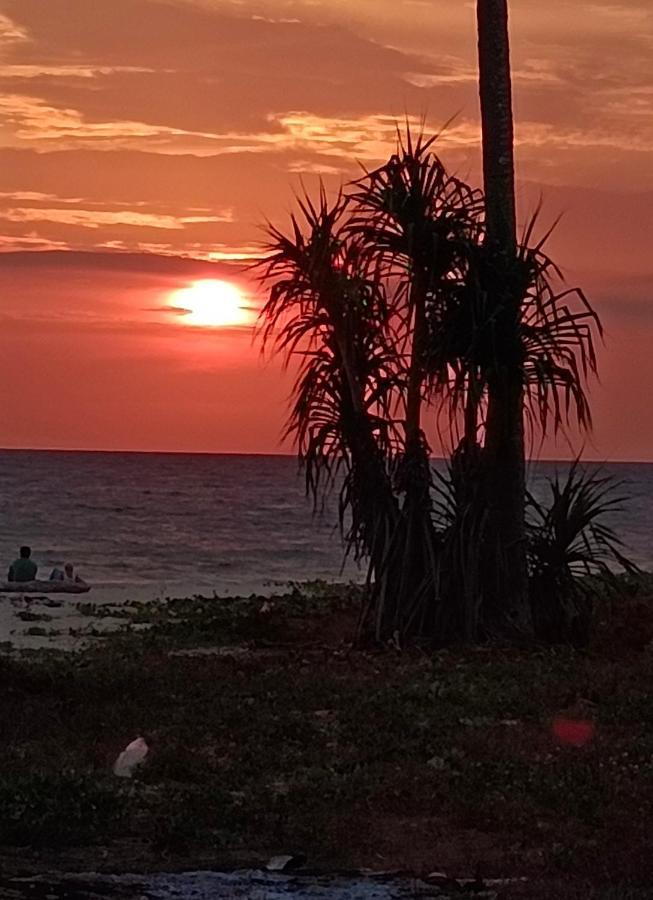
36	121
457	72
307	167
85	218
38	70
174	269
34	196
11	243
10	32
190	250
272	21
621	15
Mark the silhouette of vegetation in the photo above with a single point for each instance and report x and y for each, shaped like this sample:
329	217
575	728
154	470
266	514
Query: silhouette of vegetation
410	302
572	552
386	297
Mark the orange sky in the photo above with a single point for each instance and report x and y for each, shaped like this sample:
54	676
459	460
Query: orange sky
136	132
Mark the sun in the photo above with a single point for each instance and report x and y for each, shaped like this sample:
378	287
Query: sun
212	303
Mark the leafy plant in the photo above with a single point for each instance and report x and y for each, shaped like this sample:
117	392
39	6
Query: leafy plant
569	540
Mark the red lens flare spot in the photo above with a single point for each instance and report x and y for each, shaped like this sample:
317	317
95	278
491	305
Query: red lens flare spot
574	732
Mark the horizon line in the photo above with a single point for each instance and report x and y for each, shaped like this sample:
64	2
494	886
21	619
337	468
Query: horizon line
281	454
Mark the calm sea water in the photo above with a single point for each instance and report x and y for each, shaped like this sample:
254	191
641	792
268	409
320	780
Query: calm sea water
175	522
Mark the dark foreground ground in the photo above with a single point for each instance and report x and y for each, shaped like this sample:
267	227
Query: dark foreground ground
269	734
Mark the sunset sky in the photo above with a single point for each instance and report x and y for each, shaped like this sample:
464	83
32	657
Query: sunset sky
143	142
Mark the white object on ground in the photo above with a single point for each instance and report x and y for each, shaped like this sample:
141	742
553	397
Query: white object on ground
133	755
282	863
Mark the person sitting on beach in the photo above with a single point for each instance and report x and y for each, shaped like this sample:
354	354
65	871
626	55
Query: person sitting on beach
68	574
23	569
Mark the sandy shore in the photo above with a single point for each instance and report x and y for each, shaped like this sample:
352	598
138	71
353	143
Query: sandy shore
57	621
41	621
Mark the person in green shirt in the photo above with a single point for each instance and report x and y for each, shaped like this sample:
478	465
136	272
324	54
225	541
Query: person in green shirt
23	569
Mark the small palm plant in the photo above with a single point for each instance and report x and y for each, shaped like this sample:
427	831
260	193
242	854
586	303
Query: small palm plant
570	549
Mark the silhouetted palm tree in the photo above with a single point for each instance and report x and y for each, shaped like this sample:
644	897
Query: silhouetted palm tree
387	299
418	223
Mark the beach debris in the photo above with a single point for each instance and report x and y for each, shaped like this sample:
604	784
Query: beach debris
27	616
132	756
478	886
381	873
285	862
51	602
229	652
441	880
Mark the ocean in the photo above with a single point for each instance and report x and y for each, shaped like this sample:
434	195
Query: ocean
173	524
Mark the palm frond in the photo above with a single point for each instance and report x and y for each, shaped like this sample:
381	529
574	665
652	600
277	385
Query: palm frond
326	309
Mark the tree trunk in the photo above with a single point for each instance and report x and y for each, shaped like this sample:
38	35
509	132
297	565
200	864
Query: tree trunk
496	117
507	600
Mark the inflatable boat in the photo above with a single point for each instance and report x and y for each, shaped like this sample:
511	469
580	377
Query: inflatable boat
44	587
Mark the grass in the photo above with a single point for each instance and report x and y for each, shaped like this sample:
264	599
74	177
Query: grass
355	757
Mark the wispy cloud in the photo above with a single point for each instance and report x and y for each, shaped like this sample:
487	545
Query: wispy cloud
86	218
458	72
35	120
283	20
10	32
35	197
36	70
205	252
313	167
623	15
10	243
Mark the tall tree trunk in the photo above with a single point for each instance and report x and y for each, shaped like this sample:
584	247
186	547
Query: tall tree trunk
508	604
496	117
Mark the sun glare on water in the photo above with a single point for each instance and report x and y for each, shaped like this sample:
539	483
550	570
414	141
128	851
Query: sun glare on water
212	303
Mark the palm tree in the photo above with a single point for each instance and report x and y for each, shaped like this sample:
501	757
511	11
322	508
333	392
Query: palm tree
417	221
504	456
391	299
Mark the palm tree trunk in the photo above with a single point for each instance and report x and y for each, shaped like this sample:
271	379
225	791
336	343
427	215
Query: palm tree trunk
496	116
418	579
376	512
504	442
